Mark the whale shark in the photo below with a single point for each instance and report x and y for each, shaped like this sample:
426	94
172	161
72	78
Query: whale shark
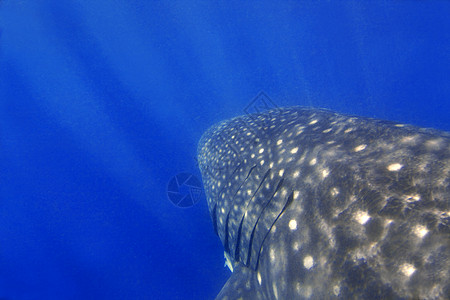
313	204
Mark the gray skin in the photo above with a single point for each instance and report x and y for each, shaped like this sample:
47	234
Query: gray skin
312	204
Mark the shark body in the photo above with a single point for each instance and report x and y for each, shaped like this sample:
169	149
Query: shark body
312	204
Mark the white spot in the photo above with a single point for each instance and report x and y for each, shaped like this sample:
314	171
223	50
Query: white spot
407	269
249	192
399	125
248	285
271	165
258	275
325	173
412	198
336	290
435	144
261	150
307	292
253	155
313	162
281	172
296	194
296	246
362	217
334	191
348	130
420	231
327	130
293	151
293	224
279	142
409	139
394	167
296	174
308	262
272	255
360	148
275	290
261	162
313	122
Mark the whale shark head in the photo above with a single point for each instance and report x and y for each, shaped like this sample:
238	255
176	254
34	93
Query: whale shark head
309	203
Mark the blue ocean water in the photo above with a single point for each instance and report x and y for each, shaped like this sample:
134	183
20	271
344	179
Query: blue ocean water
103	102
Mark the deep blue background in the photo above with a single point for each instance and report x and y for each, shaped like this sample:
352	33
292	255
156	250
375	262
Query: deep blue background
102	102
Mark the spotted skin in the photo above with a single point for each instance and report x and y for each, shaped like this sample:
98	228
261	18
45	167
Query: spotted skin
312	204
